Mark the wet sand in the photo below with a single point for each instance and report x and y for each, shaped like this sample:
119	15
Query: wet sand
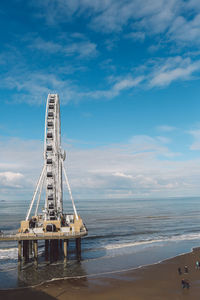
157	282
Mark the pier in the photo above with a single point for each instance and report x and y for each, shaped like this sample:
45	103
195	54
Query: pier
52	225
28	244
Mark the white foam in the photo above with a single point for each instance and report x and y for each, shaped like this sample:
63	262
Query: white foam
183	237
8	253
132	244
12	253
189	236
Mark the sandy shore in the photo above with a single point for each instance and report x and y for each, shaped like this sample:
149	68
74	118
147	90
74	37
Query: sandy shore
160	281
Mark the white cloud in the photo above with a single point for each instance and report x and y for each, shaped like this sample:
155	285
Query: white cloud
179	20
33	88
81	49
18	156
141	167
137	36
20	166
111	15
10	179
120	85
47	46
175	68
147	143
166	128
120	174
185	31
196	136
134	169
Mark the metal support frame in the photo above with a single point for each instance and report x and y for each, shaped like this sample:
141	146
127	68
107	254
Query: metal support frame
39	197
70	192
35	193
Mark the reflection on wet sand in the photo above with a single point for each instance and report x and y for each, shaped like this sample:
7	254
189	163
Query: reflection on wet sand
36	272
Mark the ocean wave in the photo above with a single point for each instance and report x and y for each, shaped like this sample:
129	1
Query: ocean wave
131	244
12	253
8	253
188	236
177	238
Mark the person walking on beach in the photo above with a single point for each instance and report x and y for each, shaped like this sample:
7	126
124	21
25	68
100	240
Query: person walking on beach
186	269
187	284
197	265
179	271
183	283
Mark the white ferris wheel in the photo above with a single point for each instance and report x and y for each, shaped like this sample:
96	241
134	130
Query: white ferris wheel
51	177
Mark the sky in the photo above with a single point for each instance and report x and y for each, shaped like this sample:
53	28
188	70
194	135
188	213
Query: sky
127	73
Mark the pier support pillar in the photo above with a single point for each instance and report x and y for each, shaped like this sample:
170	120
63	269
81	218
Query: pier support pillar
65	249
60	244
46	249
51	249
35	249
26	250
78	248
19	250
56	250
30	248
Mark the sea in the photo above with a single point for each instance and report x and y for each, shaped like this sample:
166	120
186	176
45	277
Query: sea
123	234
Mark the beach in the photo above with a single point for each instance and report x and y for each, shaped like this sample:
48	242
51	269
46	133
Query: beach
157	281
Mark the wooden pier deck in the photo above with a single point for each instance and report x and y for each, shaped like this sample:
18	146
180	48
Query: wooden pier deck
44	236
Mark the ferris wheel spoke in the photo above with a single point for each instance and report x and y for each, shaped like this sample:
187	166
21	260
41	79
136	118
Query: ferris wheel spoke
35	193
70	192
39	197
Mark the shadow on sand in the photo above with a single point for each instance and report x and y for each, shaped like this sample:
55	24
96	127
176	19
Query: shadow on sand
26	293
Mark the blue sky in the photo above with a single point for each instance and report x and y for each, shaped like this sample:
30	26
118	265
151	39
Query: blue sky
127	73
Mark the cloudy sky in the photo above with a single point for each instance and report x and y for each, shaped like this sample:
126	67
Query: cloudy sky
127	73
